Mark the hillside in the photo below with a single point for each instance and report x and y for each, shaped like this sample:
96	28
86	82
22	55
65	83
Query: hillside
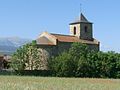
10	44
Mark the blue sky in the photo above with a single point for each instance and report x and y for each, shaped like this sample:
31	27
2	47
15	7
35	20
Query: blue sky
28	18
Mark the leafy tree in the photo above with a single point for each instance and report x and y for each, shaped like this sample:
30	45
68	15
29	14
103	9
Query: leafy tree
78	53
61	65
66	64
27	57
18	63
79	61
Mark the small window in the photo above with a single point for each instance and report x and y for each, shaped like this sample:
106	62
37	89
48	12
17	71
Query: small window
74	30
86	29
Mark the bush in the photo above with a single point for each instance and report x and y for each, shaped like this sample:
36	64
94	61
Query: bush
27	57
80	62
66	64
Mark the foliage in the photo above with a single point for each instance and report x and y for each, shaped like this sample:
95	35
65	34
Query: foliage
26	57
66	63
79	61
62	65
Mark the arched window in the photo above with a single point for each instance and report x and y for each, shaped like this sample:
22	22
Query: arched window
86	29
74	30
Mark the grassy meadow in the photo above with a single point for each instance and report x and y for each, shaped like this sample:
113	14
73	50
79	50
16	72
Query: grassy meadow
54	83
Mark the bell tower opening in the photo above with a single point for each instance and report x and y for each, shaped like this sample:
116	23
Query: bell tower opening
86	29
74	30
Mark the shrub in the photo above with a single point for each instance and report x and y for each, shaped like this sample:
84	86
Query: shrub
79	61
26	57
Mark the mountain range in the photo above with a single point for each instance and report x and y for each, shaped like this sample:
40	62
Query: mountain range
9	45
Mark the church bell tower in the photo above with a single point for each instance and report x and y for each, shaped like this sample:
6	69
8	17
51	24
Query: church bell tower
82	28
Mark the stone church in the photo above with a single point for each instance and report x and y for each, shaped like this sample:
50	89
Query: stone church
80	31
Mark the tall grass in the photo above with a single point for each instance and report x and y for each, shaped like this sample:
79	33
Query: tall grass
54	83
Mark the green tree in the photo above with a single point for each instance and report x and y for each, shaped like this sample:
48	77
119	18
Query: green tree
78	53
79	61
66	64
27	57
61	65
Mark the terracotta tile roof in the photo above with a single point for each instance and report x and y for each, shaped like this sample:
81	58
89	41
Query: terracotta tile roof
43	40
68	38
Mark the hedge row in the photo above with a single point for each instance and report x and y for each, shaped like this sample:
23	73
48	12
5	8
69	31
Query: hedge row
79	61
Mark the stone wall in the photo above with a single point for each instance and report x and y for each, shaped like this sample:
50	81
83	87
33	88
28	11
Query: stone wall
63	46
86	35
50	51
55	49
77	30
94	47
81	32
46	52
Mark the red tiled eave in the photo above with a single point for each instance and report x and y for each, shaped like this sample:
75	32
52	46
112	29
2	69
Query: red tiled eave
69	38
66	38
63	38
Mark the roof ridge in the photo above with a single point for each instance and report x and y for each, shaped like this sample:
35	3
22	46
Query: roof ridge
62	34
82	18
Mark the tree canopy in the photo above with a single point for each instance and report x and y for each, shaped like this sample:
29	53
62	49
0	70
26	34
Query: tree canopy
79	61
27	57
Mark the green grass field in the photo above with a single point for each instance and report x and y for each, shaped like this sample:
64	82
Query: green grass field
52	83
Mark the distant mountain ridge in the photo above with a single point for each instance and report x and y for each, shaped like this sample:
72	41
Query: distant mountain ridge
8	45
